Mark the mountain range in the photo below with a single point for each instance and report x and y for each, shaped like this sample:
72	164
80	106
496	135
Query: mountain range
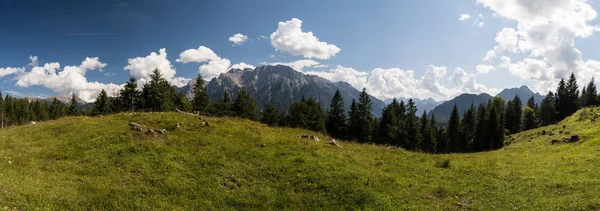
421	104
523	92
281	86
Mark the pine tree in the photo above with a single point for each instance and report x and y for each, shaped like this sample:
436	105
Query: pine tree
182	103
573	94
468	129
548	110
412	128
442	138
201	102
336	124
531	102
454	140
299	114
102	104
513	115
528	121
481	139
427	138
223	107
354	121
389	125
55	109
158	94
592	94
316	118
496	135
73	111
240	104
365	117
129	96
583	98
432	143
561	100
270	115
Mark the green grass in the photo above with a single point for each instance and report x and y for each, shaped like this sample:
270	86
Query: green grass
99	164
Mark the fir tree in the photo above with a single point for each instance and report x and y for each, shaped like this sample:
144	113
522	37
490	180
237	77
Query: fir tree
468	129
548	111
299	114
592	94
73	111
316	118
270	115
102	104
528	121
412	128
365	117
573	95
129	96
354	121
481	139
531	102
513	115
158	94
496	135
336	124
56	109
561	100
201	102
454	140
431	144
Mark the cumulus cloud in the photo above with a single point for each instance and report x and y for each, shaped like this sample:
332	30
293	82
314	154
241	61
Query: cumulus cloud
142	67
238	39
463	17
297	65
484	69
202	54
242	66
214	68
71	79
395	82
290	38
546	32
354	77
10	70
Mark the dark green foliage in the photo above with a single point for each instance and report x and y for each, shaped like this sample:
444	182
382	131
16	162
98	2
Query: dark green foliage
531	102
73	111
337	123
391	126
361	119
270	115
307	114
567	97
245	106
481	136
513	115
413	137
102	104
454	138
222	107
427	134
528	120
548	111
129	97
158	94
201	102
468	127
589	95
494	130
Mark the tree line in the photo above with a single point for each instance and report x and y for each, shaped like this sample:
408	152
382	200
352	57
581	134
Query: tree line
480	128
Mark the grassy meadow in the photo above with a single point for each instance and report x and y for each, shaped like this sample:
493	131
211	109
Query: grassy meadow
98	163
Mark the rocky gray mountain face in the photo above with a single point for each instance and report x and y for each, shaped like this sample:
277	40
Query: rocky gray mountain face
523	92
280	85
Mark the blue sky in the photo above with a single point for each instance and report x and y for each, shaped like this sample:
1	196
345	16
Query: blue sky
380	42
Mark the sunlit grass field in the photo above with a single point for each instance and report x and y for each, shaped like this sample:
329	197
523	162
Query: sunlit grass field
98	163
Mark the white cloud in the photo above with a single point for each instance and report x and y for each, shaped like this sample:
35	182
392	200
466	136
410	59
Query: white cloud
546	32
297	65
483	69
70	80
142	67
10	70
463	17
33	61
214	68
238	39
202	54
489	56
290	38
480	24
242	66
353	77
262	37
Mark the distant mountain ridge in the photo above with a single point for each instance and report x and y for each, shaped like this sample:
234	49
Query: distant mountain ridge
523	92
463	102
281	86
421	104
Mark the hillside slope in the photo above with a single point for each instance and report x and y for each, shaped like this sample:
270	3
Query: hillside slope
99	163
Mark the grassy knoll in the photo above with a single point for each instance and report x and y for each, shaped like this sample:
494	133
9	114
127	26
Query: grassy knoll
98	163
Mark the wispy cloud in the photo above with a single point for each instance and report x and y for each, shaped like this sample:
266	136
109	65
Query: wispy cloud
95	33
29	95
118	4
